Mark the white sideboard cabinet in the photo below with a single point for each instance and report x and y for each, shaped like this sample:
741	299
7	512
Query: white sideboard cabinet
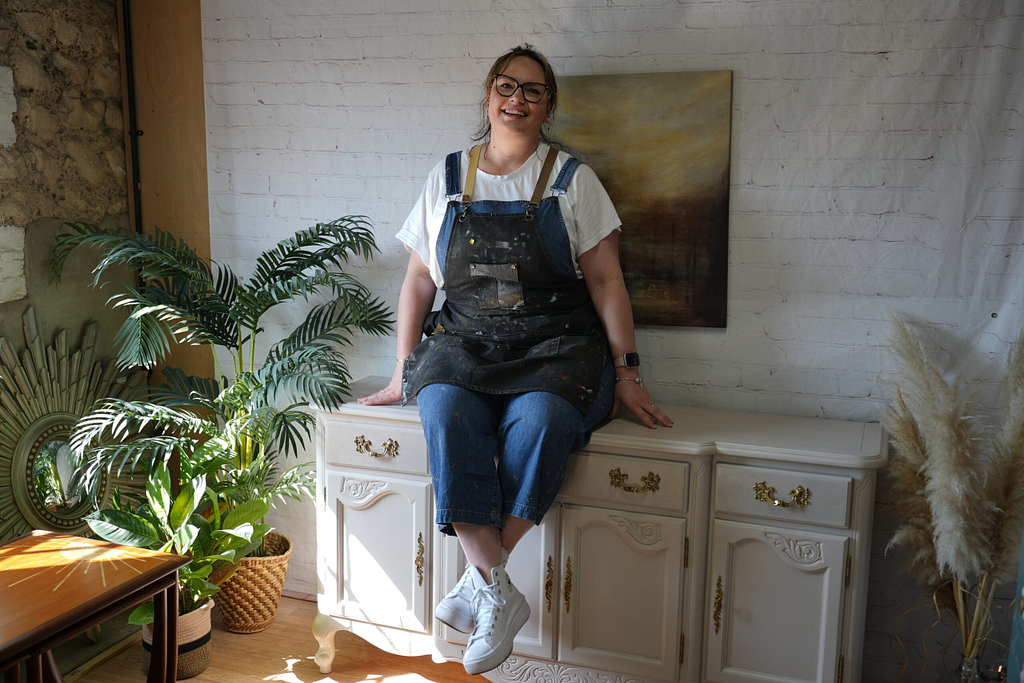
732	548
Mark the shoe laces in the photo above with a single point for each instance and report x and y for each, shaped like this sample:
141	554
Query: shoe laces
486	604
464	588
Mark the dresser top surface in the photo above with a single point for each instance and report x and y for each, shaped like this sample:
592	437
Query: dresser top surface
701	431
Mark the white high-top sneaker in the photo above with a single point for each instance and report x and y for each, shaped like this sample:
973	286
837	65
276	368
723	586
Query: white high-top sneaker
500	611
456	608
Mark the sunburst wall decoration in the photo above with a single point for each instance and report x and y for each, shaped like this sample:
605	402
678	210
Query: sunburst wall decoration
42	393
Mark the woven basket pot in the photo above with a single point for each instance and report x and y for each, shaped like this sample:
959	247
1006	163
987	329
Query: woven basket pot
193	642
248	600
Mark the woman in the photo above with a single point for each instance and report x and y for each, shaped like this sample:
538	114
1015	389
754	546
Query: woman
532	349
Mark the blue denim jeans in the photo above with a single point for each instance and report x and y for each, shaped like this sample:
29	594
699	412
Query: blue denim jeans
492	455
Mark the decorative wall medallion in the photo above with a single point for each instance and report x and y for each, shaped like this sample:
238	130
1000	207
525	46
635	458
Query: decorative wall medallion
644	533
519	670
42	394
802	552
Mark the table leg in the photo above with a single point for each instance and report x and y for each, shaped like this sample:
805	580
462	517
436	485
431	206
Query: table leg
51	673
35	669
163	663
171	632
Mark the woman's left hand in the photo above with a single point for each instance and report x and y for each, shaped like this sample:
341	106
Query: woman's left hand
634	396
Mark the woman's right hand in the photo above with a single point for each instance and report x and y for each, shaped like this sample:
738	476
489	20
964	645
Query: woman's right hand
389	394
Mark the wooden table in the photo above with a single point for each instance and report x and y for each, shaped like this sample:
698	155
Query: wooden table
54	587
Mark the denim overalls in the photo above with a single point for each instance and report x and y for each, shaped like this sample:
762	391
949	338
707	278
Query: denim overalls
517	364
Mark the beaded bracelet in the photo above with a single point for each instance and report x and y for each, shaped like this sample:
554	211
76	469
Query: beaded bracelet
638	380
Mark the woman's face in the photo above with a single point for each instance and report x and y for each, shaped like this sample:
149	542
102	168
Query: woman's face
514	114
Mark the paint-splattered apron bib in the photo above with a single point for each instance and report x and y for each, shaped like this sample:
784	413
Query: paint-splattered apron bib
516	318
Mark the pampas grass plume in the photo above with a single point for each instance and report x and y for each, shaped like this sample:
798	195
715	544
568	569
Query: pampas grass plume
945	448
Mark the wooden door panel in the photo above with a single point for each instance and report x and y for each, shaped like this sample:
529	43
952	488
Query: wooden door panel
775	603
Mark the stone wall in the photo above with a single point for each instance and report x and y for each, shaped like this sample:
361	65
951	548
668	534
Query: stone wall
61	155
68	158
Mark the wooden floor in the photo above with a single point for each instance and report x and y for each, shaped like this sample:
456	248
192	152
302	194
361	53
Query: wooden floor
284	652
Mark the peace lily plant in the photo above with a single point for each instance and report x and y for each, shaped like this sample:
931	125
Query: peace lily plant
227	433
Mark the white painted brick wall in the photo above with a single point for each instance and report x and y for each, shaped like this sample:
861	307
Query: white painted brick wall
876	168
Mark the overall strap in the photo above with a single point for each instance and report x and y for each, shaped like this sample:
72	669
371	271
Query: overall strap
565	175
474	161
542	181
453	175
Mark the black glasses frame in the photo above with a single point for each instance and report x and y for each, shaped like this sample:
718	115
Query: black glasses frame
520	86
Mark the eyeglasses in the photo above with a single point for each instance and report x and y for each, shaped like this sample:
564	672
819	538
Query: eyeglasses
506	86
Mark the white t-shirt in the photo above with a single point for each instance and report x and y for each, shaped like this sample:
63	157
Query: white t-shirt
586	208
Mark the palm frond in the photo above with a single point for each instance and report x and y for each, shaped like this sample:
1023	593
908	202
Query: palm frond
317	247
315	374
332	321
295	482
153	256
118	420
180	390
291	428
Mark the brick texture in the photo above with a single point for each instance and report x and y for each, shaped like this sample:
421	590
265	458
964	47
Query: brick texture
875	169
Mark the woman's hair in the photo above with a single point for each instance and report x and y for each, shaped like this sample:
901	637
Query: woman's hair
499	66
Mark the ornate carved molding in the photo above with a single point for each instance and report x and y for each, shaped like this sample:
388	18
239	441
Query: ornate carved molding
519	670
800	551
644	533
361	490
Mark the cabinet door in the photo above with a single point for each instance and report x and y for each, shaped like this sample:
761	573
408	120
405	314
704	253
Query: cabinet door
621	578
533	568
381	548
775	601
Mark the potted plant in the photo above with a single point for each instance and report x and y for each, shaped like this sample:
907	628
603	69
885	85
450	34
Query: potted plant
255	414
170	523
956	488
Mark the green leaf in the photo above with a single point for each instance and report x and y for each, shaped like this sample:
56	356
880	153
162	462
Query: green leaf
143	614
248	512
184	537
158	490
186	502
124	528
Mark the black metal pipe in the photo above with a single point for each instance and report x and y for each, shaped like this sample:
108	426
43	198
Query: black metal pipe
133	127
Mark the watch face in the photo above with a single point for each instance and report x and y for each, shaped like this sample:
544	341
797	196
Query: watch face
632	360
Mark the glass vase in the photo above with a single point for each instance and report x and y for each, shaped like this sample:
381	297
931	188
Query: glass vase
965	672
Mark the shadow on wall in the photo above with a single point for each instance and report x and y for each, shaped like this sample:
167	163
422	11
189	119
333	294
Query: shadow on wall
72	303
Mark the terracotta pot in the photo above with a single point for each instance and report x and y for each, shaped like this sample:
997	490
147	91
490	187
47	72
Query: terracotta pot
248	600
194	631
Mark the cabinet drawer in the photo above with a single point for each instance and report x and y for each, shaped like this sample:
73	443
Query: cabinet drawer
378	446
738	487
620	480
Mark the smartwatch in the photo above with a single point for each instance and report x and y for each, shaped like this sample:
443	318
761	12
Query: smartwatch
629	360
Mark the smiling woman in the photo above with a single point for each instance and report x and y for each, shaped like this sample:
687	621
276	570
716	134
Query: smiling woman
532	349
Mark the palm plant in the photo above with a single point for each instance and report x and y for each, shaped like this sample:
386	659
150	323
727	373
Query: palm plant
257	414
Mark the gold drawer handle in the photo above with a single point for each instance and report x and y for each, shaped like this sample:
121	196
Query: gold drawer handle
719	595
549	580
765	493
390	448
618	480
420	562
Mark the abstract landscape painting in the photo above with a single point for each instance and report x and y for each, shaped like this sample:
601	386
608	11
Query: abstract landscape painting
659	142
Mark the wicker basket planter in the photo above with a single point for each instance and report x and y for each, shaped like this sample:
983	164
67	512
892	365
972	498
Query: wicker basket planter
193	642
248	600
